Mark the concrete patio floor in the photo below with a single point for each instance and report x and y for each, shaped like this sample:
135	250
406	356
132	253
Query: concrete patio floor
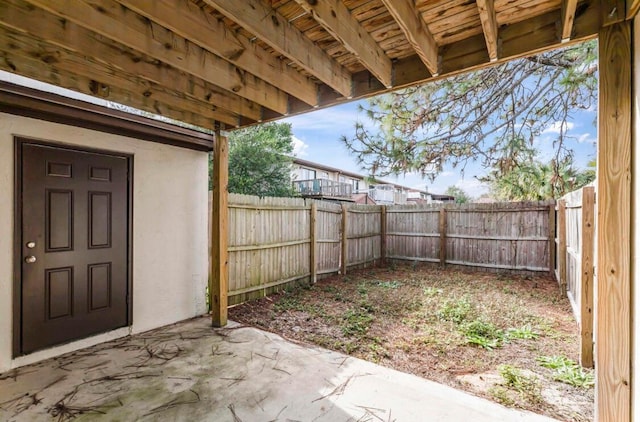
191	372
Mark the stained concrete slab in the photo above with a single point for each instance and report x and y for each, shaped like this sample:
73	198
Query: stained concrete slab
192	372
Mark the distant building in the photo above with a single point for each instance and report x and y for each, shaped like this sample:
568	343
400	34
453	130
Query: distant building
314	180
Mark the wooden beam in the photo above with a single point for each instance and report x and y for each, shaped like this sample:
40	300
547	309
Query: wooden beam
35	58
568	12
487	13
416	31
586	288
613	327
220	232
191	22
111	20
37	69
334	16
613	11
271	27
17	15
534	35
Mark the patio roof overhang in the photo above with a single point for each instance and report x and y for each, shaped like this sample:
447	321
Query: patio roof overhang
236	63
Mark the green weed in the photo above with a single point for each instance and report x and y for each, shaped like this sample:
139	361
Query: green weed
527	386
525	332
432	291
567	371
356	322
389	284
483	334
455	310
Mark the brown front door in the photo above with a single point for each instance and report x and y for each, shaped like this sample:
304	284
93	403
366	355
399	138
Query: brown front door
74	244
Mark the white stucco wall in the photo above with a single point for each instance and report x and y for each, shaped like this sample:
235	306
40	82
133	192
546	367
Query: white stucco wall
170	261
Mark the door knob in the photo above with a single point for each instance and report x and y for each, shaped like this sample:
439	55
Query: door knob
30	259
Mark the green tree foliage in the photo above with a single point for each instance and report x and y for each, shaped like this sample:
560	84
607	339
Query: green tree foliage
460	195
536	181
478	116
260	160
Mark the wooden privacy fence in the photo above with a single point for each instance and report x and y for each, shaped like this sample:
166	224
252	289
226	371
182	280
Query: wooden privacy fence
277	241
502	236
576	261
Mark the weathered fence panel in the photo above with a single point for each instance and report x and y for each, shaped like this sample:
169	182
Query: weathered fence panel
328	243
364	230
501	236
269	244
272	242
576	261
412	233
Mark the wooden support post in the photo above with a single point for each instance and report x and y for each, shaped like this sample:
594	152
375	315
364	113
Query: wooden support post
313	266
615	202
383	234
442	227
562	246
586	290
552	239
219	232
345	241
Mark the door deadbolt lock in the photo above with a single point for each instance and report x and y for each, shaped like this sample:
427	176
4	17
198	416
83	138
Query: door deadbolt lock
31	245
30	259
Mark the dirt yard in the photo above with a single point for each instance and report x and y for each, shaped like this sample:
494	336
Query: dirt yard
511	339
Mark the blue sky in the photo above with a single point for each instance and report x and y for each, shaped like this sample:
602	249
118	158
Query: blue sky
317	138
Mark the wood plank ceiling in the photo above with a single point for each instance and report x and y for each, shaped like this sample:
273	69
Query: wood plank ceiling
235	62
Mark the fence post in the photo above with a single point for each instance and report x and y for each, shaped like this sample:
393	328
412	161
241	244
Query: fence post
343	263
442	227
552	239
562	245
586	290
313	267
383	234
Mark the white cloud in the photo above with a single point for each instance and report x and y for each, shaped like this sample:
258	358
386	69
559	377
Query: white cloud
340	120
556	126
473	187
586	137
299	147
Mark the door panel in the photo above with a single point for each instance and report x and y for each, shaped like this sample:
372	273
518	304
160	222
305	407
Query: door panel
75	211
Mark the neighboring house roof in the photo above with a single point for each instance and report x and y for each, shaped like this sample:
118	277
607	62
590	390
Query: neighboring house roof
318	166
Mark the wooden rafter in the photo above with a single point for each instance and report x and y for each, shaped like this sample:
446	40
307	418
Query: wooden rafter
334	16
34	21
471	54
126	27
416	31
36	69
487	12
568	14
272	28
191	22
